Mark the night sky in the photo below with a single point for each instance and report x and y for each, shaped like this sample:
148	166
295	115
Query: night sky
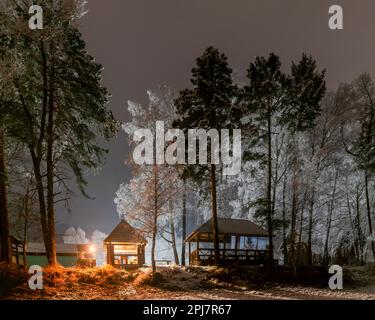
143	43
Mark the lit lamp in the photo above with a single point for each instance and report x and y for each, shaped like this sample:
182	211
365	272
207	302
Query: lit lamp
92	249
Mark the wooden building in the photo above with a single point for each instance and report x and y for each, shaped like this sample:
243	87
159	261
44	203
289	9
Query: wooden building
240	242
125	247
17	251
67	254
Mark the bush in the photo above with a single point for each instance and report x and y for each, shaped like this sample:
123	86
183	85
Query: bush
59	276
55	276
254	276
11	276
149	278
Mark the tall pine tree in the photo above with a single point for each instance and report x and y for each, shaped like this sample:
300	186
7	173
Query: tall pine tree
208	105
266	96
274	99
63	105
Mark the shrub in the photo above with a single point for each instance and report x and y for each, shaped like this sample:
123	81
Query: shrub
11	276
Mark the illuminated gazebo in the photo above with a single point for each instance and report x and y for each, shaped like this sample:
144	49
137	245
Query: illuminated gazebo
240	242
125	247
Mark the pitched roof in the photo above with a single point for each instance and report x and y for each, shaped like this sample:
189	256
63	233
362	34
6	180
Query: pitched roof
124	232
39	247
230	226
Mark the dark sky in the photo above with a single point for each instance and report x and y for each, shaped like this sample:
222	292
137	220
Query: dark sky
142	43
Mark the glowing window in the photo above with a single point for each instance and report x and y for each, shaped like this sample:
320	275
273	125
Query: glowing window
125	249
132	260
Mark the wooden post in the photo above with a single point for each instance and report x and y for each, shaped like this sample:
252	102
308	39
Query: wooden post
138	256
189	253
197	250
224	249
236	248
110	254
17	260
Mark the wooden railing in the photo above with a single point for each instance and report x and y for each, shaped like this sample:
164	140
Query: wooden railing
241	256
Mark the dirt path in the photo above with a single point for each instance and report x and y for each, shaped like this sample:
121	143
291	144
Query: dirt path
130	292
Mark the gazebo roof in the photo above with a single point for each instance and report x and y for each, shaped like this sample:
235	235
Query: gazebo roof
228	226
124	232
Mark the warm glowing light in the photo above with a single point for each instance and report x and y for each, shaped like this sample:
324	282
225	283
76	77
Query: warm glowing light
92	249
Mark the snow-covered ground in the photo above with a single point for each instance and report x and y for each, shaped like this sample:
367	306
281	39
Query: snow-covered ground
174	283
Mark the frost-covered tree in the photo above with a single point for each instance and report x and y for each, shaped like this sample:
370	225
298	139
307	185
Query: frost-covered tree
362	147
151	193
274	100
75	236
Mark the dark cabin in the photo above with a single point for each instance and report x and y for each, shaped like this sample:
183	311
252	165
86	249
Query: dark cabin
125	247
240	242
67	254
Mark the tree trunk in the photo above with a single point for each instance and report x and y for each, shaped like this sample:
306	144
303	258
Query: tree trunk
293	228
183	245
36	152
274	187
300	253
311	211
25	226
310	228
214	216
51	253
153	246
368	209
173	233
269	189
155	221
42	204
5	245
352	226
358	226
285	241
301	219
329	221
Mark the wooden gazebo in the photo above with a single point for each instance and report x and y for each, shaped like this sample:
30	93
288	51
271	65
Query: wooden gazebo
125	247
240	242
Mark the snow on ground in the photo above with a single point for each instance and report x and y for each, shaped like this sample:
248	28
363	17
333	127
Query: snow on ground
173	283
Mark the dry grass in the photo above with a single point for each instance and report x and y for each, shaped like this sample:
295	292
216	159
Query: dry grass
59	277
